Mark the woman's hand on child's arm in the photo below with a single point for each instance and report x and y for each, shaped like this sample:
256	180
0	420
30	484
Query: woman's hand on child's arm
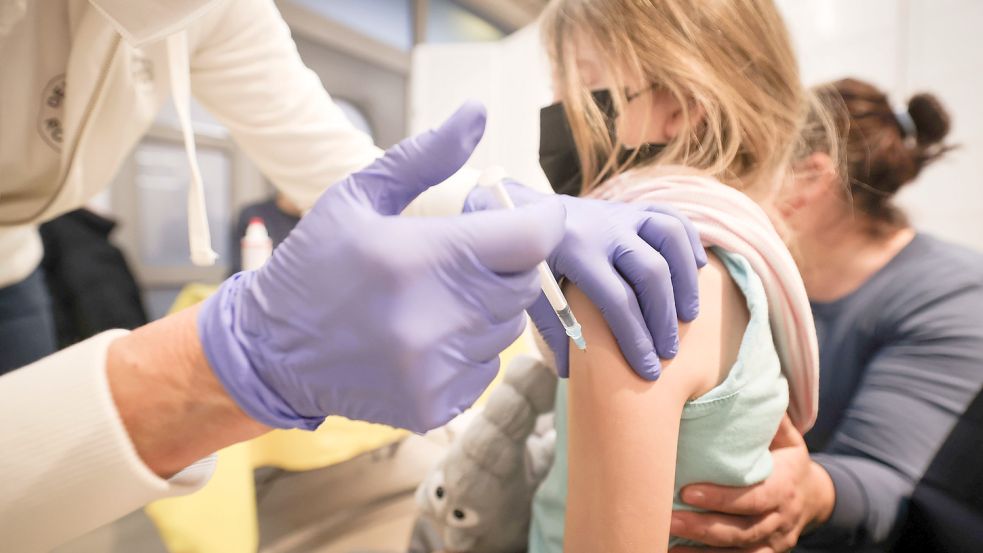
764	518
623	430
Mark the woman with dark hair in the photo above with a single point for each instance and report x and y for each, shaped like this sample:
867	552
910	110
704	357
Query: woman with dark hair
899	316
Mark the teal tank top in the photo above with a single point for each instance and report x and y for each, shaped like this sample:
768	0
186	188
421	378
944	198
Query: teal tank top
723	435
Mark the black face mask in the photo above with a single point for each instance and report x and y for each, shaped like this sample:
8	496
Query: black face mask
558	151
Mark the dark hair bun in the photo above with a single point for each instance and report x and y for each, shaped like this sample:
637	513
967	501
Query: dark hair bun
880	158
931	119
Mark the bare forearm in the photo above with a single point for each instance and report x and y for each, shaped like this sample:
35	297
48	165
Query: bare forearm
172	405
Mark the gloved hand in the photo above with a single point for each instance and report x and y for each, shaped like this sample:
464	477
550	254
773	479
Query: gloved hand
637	263
375	317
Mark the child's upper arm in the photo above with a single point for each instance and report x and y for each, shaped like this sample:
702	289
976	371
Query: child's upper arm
623	430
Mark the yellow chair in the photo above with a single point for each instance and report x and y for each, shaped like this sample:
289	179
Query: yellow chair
222	515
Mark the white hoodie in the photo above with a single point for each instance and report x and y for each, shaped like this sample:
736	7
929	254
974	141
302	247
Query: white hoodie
67	464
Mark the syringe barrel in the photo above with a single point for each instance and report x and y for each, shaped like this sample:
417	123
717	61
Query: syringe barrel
567	318
552	290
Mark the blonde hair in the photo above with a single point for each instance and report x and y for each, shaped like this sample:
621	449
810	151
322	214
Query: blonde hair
730	60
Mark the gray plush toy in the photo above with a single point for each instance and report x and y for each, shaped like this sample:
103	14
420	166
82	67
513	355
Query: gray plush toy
479	497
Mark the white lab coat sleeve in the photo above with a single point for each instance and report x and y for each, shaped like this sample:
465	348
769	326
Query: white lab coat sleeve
246	71
67	464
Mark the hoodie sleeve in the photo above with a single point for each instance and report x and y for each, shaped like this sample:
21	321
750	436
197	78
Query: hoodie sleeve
68	465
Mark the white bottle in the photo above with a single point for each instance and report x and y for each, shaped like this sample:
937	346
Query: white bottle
257	246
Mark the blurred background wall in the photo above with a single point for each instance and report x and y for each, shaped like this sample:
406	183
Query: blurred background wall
400	66
906	47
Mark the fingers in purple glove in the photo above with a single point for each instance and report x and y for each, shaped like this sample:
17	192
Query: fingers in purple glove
617	302
450	401
693	235
489	342
406	170
668	236
597	234
521	289
648	275
384	319
543	316
510	241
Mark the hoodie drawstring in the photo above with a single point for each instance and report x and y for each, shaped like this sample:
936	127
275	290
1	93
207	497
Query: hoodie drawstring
199	237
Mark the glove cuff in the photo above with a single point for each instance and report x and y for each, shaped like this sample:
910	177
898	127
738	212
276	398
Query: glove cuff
238	366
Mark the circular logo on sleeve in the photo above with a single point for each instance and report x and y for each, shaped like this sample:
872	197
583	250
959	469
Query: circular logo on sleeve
50	114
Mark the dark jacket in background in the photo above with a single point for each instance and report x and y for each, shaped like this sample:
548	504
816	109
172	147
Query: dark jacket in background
946	512
91	286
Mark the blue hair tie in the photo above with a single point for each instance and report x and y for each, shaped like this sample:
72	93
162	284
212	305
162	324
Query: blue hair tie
907	124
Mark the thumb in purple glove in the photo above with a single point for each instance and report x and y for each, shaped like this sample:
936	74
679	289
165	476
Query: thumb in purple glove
375	317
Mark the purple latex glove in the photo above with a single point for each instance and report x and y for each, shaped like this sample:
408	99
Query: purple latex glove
376	317
637	263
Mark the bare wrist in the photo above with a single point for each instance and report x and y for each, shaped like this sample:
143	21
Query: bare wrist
172	405
823	494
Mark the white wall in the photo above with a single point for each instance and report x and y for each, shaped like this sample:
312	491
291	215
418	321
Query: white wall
904	46
510	76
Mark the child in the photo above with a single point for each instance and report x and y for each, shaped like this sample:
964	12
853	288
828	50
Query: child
702	102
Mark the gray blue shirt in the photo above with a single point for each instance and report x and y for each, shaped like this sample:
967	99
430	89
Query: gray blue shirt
901	359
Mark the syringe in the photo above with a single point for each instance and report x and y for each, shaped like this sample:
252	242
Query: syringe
493	177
